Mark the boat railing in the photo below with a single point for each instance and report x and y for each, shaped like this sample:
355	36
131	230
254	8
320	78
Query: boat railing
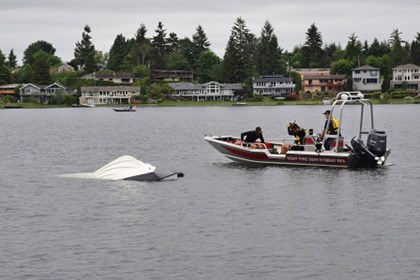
350	97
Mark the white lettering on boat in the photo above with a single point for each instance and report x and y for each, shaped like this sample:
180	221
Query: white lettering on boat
315	160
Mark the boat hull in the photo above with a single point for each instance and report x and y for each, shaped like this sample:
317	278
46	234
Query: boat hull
270	156
124	110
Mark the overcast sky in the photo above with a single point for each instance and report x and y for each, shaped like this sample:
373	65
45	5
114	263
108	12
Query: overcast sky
61	22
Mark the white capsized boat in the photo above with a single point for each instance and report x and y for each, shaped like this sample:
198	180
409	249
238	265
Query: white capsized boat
128	168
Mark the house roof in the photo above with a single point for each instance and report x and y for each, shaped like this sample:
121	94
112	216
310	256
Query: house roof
9	86
191	86
272	78
100	75
366	67
110	88
44	86
323	77
407	66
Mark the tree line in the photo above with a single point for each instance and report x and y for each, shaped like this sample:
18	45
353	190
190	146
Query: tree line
246	55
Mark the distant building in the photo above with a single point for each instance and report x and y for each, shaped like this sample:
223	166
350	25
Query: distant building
311	71
65	68
117	78
172	75
366	78
9	89
323	82
209	91
107	95
277	86
41	92
409	74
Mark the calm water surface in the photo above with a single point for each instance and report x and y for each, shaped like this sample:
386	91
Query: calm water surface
222	220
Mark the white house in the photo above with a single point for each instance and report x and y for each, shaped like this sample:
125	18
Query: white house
277	86
366	78
42	93
409	74
107	95
209	91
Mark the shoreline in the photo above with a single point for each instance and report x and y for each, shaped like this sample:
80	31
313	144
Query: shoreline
168	103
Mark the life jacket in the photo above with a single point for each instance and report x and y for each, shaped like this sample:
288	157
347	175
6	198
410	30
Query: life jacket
334	124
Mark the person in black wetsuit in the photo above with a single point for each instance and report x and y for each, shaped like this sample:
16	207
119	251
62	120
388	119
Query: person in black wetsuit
252	136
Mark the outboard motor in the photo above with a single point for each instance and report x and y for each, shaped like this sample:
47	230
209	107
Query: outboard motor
376	142
363	156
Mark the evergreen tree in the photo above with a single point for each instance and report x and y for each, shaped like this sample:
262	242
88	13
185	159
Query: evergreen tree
353	50
398	54
200	39
117	53
239	53
313	55
5	74
35	47
268	54
189	50
415	50
84	53
333	52
159	47
208	65
172	43
12	59
142	46
376	49
177	61
200	44
41	67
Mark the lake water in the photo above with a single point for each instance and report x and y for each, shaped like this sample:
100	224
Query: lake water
222	220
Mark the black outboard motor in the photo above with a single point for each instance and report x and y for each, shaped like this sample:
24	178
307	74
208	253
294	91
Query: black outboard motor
376	142
371	155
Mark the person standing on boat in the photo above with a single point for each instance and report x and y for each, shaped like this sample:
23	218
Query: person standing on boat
332	129
252	136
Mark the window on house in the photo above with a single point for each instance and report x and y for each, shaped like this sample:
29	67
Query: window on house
371	81
357	71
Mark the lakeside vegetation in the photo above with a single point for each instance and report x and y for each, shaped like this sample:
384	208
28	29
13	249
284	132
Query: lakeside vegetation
246	56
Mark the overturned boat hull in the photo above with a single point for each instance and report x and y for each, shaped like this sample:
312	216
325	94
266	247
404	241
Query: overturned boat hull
129	168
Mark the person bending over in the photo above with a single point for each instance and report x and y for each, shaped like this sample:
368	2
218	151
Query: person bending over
298	132
252	136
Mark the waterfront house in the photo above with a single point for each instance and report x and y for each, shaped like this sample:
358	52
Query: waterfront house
323	82
8	89
98	95
277	86
208	91
408	74
41	92
366	78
